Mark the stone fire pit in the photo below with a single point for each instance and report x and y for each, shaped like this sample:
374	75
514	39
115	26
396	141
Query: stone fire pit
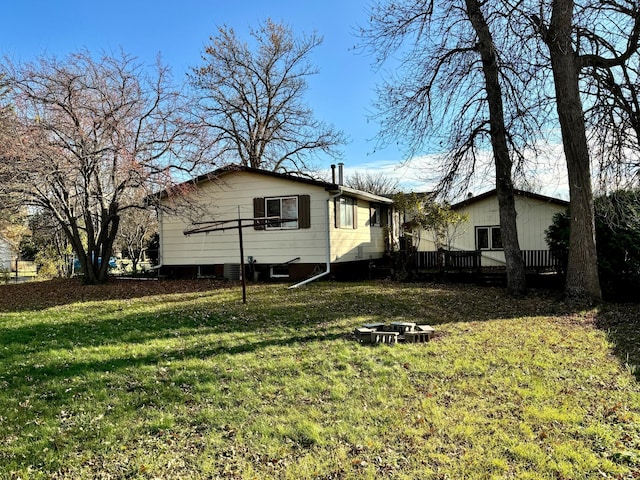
393	333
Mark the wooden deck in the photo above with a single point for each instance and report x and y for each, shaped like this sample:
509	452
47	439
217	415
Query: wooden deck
541	267
472	261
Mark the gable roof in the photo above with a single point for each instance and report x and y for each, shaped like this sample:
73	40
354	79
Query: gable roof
328	186
520	193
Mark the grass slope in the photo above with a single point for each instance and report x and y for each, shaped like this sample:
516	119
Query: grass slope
180	380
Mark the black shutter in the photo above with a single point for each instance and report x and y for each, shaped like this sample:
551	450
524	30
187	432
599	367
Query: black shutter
336	204
384	215
304	211
355	213
258	212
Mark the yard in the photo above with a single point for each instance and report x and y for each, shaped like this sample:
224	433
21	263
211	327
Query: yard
181	380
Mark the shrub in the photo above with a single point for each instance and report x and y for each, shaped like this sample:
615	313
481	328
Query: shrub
617	219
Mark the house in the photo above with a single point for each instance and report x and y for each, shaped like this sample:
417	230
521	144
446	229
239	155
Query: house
7	255
481	232
291	227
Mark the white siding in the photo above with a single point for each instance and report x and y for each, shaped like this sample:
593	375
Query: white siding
533	217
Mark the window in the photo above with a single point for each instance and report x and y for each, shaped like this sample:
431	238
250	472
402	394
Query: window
488	238
346	213
496	238
284	208
375	216
296	209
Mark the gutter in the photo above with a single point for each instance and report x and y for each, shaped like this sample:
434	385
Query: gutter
328	265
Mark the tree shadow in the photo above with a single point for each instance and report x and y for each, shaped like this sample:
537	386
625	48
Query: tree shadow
38	361
53	372
432	304
34	296
268	321
621	322
331	316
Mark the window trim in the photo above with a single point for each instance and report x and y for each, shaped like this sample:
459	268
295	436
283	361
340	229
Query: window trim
490	238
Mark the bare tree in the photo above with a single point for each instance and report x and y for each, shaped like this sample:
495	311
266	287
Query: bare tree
455	79
378	184
252	99
49	246
136	229
89	132
570	33
6	134
612	94
516	279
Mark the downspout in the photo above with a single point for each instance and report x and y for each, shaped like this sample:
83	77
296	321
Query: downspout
328	265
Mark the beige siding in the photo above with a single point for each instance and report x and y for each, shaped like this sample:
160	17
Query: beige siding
533	218
221	201
362	243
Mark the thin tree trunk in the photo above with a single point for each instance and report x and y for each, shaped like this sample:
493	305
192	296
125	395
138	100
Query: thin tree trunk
516	279
582	269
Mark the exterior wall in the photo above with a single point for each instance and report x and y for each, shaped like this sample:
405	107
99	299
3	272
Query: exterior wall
534	217
7	255
349	244
220	200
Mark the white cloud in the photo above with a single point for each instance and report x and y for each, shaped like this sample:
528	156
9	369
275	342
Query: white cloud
545	173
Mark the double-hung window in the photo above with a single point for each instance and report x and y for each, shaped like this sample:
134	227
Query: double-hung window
488	238
346	212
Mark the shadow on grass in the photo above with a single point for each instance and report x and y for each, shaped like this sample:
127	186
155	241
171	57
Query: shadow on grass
621	322
34	296
54	373
81	358
324	304
319	312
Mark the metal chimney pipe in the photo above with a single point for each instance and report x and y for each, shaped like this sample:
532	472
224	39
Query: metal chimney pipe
333	173
341	174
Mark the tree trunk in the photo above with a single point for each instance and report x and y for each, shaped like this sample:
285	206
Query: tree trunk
94	259
516	279
582	269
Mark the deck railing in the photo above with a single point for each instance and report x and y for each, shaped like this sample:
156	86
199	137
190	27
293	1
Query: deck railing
468	260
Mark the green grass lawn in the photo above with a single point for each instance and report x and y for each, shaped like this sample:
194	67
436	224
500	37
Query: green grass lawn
197	385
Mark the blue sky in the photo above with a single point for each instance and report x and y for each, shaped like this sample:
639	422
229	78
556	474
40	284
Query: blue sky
341	94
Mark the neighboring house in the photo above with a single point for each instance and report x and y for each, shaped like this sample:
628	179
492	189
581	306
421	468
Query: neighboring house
7	255
294	227
481	233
